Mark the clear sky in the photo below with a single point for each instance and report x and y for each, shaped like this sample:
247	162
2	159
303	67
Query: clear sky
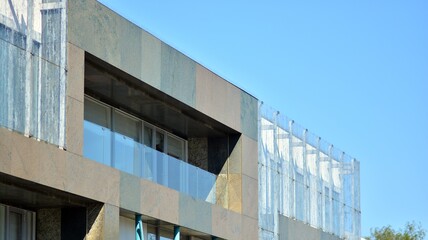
353	72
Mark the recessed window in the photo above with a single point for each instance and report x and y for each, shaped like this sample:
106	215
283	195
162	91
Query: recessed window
134	129
175	147
97	113
16	223
127	125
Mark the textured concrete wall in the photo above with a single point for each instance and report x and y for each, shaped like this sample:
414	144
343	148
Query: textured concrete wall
95	226
198	152
48	224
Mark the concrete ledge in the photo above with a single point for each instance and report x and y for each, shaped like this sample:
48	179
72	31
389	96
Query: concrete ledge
48	165
293	229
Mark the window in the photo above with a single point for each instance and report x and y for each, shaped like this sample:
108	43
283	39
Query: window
97	113
16	223
175	147
133	130
127	125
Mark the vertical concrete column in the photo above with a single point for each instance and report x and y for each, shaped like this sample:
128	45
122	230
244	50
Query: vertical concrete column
75	99
106	224
111	222
139	233
176	233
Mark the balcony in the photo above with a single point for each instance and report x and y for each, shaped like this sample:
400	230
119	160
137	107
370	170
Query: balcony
124	153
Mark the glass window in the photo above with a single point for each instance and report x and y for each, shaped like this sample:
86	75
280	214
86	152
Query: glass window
15	226
160	141
97	113
148	136
131	128
127	125
175	147
2	222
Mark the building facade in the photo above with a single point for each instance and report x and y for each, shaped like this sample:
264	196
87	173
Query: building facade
106	132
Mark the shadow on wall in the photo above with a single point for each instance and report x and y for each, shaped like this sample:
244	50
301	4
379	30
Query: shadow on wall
211	153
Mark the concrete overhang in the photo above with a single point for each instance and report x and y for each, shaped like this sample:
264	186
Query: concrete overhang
32	196
117	88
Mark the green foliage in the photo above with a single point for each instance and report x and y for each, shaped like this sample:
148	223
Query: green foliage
412	231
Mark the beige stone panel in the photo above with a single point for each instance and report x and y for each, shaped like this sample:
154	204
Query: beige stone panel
111	222
249	157
151	60
221	191
76	72
297	229
250	196
96	231
74	126
235	192
46	164
226	224
250	228
91	179
36	161
5	153
130	192
159	202
168	205
218	98
235	159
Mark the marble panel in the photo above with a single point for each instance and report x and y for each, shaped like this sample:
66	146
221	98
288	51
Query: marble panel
250	201
250	228
328	236
74	126
159	202
234	187
75	72
222	191
249	157
195	214
249	115
36	161
95	224
226	224
151	60
130	196
178	75
5	152
83	177
111	222
105	34
217	98
235	158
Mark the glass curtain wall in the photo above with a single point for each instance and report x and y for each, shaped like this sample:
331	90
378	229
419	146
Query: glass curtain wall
32	68
304	178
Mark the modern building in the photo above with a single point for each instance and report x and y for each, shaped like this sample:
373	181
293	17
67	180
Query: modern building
106	132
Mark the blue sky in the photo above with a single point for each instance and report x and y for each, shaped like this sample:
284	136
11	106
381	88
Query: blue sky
353	72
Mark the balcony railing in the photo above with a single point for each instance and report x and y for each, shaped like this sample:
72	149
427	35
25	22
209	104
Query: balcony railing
124	153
